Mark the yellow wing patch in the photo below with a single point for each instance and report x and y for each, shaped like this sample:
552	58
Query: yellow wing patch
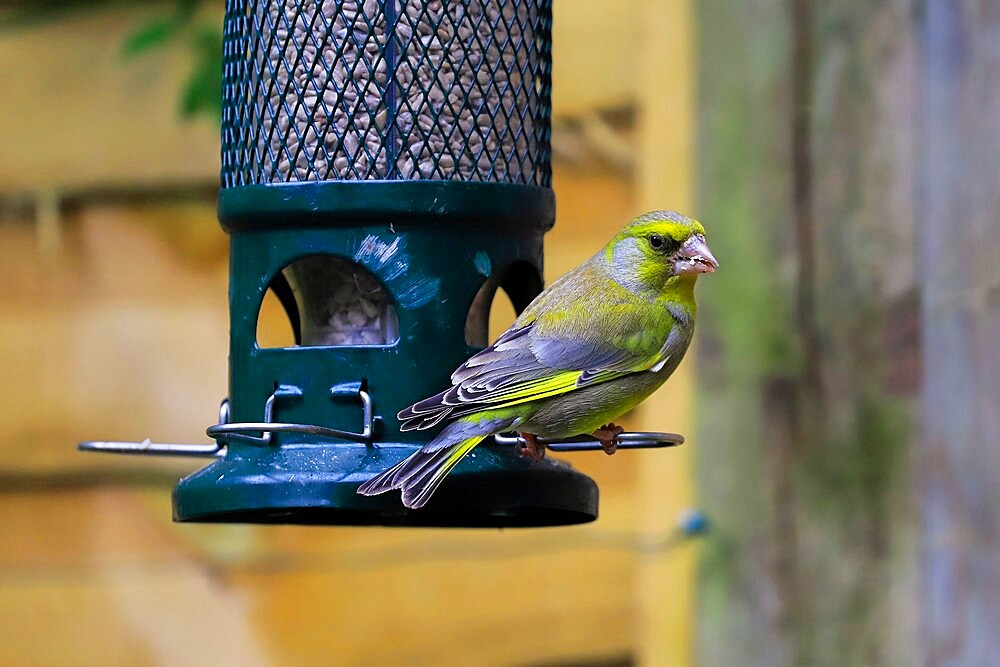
544	388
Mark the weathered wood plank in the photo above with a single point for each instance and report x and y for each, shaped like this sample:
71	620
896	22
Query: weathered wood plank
959	175
664	591
743	318
806	427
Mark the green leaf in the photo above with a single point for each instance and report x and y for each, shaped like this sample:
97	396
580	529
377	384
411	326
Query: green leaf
203	89
161	29
153	34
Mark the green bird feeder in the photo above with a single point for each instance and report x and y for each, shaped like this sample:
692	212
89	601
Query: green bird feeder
385	170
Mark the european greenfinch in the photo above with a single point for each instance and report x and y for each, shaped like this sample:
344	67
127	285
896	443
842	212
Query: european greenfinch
588	349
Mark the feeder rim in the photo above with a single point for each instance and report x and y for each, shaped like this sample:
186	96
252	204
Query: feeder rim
349	203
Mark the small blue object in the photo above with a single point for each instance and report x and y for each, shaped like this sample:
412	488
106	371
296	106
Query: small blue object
691	522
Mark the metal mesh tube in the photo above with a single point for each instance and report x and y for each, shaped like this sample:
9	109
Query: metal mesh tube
387	90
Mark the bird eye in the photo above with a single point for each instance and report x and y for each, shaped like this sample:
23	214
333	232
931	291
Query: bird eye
656	241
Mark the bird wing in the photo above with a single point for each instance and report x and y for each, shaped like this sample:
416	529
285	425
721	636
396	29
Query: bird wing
528	363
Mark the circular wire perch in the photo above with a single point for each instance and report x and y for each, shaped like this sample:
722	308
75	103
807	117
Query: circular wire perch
577	443
224	433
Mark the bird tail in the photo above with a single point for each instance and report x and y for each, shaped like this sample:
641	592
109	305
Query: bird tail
420	474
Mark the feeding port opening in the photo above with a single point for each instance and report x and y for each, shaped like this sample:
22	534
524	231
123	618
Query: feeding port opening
333	301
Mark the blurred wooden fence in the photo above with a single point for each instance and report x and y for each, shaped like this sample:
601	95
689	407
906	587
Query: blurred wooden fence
849	362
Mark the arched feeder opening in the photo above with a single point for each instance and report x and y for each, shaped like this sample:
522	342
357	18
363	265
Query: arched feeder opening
334	301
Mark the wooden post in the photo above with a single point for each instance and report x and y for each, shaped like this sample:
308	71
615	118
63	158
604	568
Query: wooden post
959	458
809	337
666	162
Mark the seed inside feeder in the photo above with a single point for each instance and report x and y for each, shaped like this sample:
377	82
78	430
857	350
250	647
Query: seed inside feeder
408	89
340	303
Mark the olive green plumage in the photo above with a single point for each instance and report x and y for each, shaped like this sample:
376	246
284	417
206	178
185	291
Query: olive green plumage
589	348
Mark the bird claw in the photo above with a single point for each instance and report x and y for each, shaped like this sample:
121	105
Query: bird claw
608	436
531	448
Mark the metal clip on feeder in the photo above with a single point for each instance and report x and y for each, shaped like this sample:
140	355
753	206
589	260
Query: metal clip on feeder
385	170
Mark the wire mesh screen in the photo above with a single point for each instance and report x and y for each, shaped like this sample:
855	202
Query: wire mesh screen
387	90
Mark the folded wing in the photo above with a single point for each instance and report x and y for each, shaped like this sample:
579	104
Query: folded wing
523	365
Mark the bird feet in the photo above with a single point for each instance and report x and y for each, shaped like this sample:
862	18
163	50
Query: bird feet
608	435
531	448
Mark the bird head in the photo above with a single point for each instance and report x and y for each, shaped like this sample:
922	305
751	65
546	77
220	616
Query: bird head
660	248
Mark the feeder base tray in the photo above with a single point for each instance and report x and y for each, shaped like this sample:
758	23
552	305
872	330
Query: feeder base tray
292	484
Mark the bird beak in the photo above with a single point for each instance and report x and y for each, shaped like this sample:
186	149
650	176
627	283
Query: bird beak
694	257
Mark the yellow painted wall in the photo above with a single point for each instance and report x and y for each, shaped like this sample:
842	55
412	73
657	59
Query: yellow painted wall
115	327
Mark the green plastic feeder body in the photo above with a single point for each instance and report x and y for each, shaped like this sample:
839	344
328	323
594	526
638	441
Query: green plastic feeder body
385	171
